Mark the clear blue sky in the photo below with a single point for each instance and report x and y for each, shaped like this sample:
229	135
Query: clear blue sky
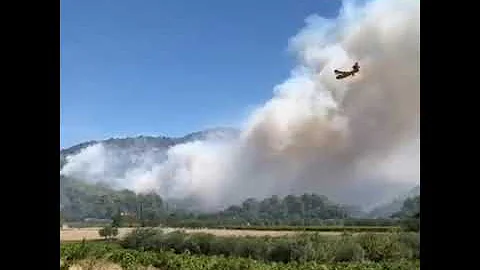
170	67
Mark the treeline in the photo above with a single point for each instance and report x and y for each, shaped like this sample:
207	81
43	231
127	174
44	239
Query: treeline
81	200
128	209
238	223
349	228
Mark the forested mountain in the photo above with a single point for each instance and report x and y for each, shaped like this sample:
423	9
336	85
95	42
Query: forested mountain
81	199
98	201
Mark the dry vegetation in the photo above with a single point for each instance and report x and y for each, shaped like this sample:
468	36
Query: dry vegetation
77	234
103	265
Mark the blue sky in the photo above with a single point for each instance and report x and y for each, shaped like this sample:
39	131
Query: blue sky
170	67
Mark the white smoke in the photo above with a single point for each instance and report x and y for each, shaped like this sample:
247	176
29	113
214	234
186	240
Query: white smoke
356	140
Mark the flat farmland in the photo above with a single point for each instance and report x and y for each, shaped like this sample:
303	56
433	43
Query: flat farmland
77	234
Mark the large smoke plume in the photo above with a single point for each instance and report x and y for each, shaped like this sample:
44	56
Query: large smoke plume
355	140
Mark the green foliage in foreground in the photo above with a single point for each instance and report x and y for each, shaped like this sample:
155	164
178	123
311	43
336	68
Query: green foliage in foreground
131	259
298	248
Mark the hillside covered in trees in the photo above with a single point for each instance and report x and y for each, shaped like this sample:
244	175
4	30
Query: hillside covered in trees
99	201
80	200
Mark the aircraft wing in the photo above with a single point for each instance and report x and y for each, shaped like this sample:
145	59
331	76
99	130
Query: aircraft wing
339	72
343	75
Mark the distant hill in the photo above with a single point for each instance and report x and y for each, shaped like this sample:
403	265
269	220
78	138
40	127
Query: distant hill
158	142
394	206
143	144
79	198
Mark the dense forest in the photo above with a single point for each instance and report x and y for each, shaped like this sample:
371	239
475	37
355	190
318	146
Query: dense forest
99	201
127	208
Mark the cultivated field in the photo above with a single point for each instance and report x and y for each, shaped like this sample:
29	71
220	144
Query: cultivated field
155	251
77	234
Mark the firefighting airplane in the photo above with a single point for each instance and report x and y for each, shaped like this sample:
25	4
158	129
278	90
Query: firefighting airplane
344	74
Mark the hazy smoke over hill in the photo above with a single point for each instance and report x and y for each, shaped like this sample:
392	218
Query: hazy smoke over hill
356	140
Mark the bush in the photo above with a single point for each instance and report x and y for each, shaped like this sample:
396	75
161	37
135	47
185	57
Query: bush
412	242
245	247
279	252
379	247
108	232
132	259
140	238
349	252
299	248
411	224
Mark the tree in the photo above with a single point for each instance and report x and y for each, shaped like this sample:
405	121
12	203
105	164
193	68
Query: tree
108	232
410	208
410	214
117	219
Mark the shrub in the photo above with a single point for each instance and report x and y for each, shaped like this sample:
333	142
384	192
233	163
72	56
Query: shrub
411	224
132	259
140	238
299	248
349	252
108	232
412	242
379	247
280	252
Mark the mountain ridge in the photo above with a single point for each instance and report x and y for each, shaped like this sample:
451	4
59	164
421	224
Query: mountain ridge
161	140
